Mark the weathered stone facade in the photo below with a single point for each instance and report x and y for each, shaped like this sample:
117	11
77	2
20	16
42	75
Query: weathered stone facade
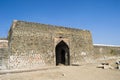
107	49
34	44
31	45
104	51
3	53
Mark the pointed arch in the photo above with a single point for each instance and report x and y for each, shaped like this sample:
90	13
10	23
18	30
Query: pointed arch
62	53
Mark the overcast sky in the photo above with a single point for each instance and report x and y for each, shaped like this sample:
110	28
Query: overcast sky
101	17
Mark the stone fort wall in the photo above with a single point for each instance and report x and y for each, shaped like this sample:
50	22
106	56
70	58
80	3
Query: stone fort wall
33	44
103	52
3	53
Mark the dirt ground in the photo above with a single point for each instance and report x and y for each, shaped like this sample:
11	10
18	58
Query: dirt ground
84	72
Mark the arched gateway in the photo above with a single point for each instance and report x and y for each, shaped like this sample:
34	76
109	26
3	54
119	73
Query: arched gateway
62	53
35	44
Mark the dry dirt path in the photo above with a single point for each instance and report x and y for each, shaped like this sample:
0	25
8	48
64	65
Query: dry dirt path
85	72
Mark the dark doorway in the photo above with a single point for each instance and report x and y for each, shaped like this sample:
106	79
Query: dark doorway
62	54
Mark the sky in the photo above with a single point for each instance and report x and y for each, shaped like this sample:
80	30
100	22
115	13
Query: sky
101	17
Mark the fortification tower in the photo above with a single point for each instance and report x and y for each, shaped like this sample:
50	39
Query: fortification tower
35	44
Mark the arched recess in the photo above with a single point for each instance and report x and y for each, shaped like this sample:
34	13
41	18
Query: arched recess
62	53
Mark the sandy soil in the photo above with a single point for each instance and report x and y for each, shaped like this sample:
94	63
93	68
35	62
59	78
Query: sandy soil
85	72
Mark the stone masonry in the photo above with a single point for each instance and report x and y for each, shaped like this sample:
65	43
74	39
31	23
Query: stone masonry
32	45
35	44
3	53
106	51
